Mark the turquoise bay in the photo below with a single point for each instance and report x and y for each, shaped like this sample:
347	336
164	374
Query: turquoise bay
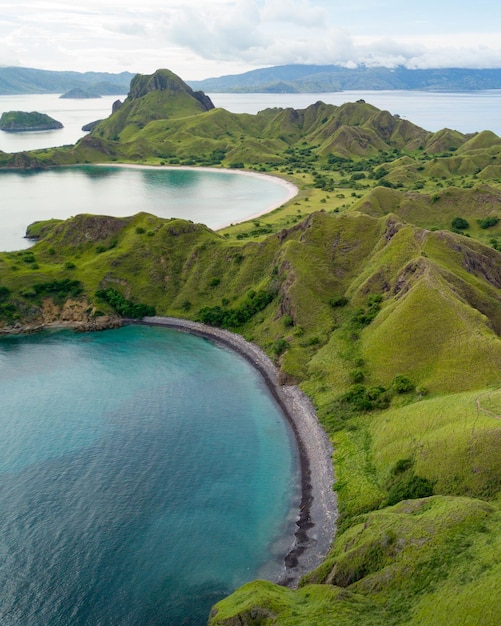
145	474
215	198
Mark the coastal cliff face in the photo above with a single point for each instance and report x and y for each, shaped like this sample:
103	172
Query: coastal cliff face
75	314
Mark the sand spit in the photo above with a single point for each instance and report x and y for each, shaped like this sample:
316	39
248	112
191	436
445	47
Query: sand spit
318	511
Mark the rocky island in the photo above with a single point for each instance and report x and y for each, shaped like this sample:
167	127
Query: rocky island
22	122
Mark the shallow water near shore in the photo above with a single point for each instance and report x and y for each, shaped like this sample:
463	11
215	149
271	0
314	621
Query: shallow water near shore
215	198
145	474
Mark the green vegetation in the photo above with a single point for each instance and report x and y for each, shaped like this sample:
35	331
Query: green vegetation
19	121
362	294
124	307
235	317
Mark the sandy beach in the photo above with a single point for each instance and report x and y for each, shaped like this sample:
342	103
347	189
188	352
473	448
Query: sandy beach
291	189
318	511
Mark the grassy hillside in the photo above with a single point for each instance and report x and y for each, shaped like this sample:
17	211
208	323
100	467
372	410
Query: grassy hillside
377	290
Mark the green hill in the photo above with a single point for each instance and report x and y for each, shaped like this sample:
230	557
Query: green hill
377	290
21	121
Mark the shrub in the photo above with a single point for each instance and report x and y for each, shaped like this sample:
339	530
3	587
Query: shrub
459	223
404	484
408	488
61	289
357	376
488	222
338	301
279	346
402	384
124	307
254	302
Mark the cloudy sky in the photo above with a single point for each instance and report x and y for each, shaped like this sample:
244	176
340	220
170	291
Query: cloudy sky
204	38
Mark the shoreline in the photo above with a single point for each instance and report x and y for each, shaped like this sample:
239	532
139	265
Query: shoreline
317	514
292	190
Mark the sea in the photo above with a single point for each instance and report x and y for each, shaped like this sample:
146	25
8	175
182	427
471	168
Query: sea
214	198
466	111
146	473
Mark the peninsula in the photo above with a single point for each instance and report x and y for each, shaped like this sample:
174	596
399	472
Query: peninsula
376	291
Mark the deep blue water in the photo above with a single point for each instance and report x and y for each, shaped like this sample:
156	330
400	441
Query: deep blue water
144	474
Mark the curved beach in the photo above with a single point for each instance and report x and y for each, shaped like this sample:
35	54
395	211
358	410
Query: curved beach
291	189
318	511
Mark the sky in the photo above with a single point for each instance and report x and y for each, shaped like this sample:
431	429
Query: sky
199	39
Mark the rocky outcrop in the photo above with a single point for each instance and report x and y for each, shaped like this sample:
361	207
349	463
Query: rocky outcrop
78	315
165	80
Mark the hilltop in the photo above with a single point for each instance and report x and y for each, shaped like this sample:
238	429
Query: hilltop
377	290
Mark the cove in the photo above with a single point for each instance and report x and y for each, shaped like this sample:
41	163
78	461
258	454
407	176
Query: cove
145	474
212	197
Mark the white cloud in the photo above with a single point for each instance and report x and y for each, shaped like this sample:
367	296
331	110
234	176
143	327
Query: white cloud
198	39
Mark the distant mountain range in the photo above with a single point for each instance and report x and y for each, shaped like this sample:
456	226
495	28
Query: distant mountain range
278	79
328	78
24	80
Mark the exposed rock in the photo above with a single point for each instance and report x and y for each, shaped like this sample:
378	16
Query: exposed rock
165	80
116	106
88	127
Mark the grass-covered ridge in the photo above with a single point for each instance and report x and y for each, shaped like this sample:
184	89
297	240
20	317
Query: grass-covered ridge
377	290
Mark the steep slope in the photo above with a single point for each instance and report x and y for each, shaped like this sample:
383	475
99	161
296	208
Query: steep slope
387	319
147	102
395	331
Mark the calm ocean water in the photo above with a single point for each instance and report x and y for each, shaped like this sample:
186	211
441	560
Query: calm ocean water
467	112
212	198
73	114
145	474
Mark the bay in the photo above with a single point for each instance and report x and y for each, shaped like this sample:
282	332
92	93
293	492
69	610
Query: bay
214	198
144	474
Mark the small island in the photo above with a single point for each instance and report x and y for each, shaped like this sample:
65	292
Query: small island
20	122
80	94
